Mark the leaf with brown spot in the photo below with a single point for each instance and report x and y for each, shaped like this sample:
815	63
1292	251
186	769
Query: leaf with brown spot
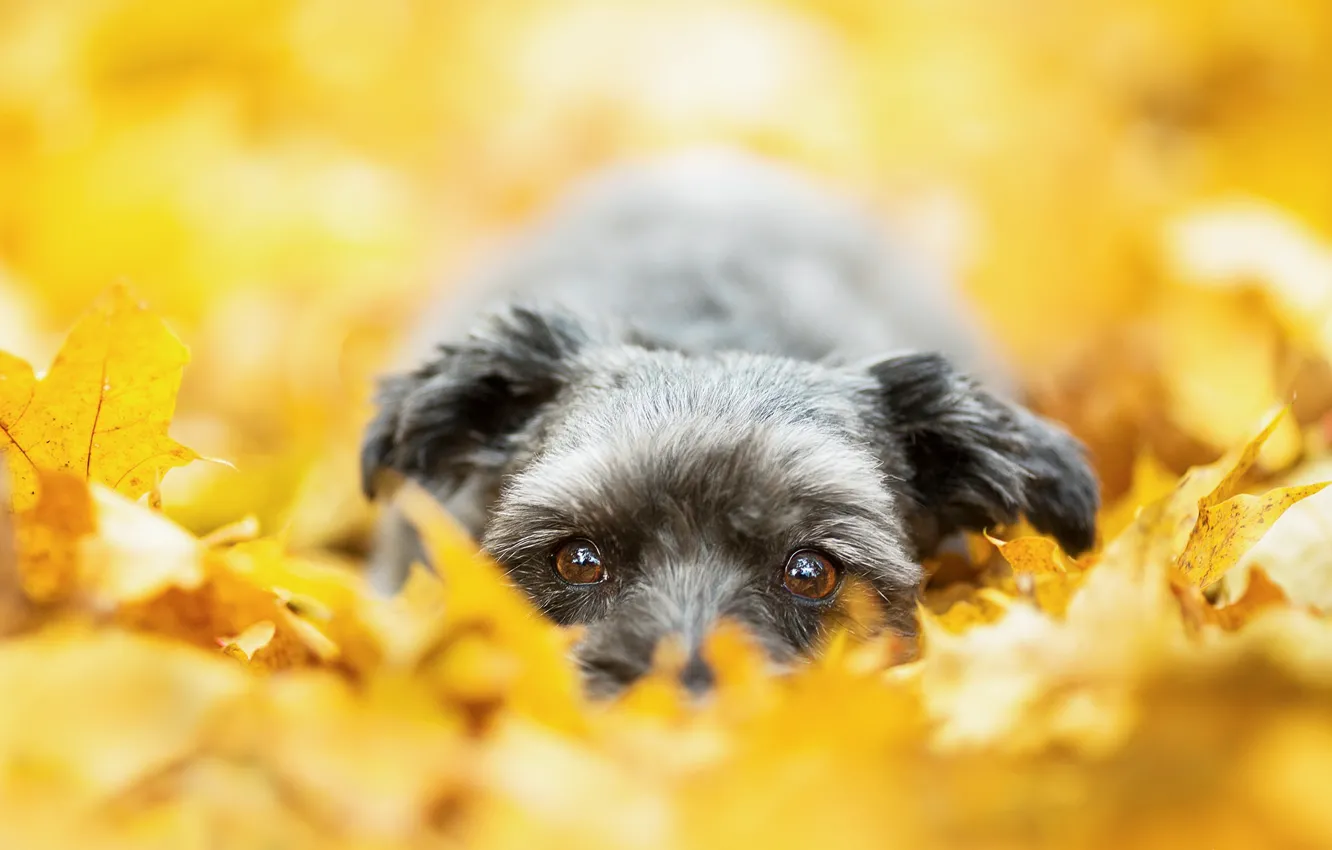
1225	531
1161	530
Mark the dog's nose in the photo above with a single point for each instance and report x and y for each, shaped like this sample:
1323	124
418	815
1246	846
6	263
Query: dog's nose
697	675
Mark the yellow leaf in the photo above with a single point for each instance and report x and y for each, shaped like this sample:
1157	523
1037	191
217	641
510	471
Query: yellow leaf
1033	554
410	624
960	607
13	601
1220	364
542	684
1245	243
1161	530
376	761
102	711
101	413
1226	531
50	534
136	553
1151	481
99	548
244	645
1297	552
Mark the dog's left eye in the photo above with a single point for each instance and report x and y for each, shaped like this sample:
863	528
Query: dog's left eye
810	574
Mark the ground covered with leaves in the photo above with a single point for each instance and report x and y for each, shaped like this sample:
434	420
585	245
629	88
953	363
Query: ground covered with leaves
1136	194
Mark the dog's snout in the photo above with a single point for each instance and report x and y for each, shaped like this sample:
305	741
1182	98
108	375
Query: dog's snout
697	675
611	667
664	621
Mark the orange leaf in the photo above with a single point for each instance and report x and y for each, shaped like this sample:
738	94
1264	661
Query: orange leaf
1261	594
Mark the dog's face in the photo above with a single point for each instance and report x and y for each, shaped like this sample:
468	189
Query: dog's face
645	493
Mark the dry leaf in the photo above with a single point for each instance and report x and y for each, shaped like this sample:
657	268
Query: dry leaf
1161	530
1226	531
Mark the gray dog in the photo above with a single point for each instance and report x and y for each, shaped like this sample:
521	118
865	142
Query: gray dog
675	403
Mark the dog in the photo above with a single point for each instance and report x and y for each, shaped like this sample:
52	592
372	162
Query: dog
705	388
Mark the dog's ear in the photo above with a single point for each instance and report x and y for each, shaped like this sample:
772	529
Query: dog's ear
974	460
458	413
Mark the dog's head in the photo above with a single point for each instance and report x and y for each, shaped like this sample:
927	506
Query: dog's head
646	493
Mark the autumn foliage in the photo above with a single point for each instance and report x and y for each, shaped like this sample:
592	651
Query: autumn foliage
218	218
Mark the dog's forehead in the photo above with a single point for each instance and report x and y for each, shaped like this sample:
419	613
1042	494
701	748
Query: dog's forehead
626	391
738	435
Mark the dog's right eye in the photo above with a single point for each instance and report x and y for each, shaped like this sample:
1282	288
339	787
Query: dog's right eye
810	575
578	561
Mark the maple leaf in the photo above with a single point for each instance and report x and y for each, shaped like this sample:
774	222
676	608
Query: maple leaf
13	601
1160	531
102	410
1226	531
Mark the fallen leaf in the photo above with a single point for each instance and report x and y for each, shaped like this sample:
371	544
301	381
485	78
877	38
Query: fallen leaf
1226	531
1151	482
103	711
376	762
50	536
13	601
244	645
1161	530
1033	554
538	680
1261	595
101	413
1297	552
135	554
1220	361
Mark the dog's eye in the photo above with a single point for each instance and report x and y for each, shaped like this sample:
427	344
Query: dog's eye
810	574
579	562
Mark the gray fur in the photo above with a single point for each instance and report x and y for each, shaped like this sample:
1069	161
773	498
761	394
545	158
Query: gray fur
687	365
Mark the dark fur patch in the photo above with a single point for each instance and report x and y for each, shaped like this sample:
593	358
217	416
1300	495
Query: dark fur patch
977	461
455	414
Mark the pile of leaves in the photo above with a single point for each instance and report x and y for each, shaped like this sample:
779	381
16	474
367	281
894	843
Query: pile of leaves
166	690
1134	193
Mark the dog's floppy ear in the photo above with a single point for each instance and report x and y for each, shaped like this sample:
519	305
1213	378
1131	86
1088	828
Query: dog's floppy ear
458	412
974	460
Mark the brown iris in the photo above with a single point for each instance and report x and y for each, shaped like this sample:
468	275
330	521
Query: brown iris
579	562
810	574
